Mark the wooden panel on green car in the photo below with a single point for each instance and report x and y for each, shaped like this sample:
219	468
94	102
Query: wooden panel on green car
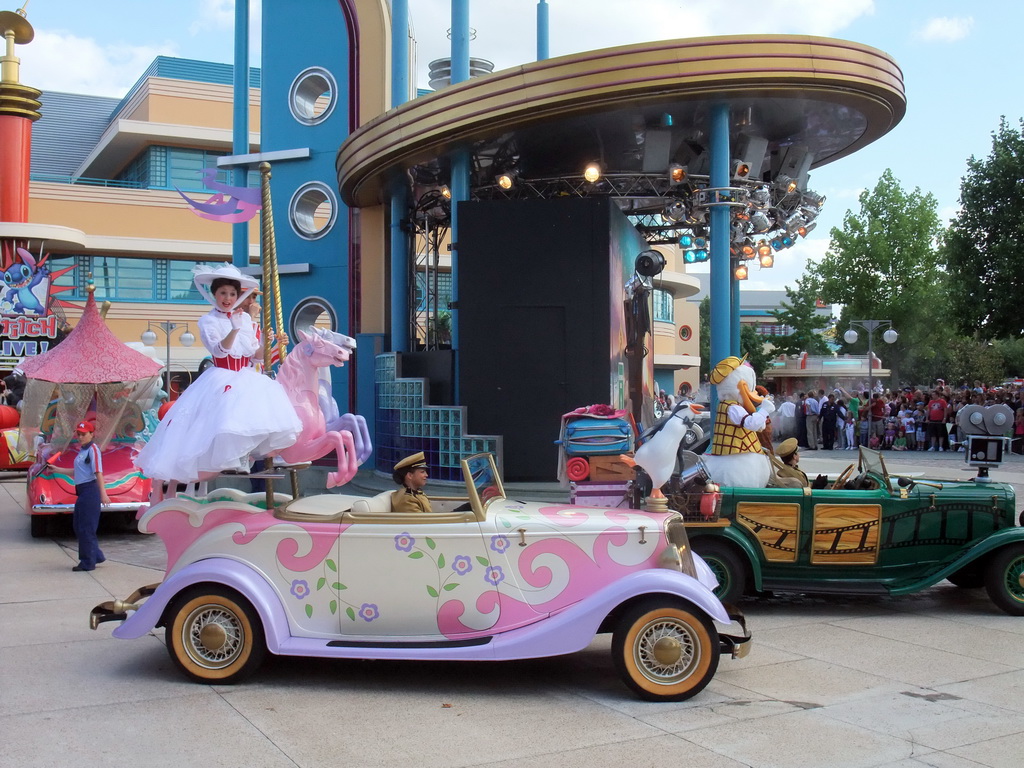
846	534
775	526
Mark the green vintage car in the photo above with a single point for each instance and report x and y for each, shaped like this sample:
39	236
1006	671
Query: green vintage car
865	533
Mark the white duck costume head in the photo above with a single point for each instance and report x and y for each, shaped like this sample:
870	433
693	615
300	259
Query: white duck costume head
736	458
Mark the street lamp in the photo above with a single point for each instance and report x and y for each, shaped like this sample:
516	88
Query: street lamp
889	337
149	339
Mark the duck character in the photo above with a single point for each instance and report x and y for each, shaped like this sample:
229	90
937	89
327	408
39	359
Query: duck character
736	458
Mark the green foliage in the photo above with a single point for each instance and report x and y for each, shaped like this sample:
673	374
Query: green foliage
884	264
982	249
969	359
1011	353
752	344
799	314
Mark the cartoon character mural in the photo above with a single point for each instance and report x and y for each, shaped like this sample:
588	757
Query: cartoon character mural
736	457
28	284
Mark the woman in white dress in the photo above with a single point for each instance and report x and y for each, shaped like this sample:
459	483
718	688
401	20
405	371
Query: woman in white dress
230	412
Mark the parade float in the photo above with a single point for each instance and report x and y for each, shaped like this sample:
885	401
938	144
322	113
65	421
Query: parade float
93	376
481	577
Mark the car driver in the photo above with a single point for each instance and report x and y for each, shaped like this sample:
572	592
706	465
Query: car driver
411	473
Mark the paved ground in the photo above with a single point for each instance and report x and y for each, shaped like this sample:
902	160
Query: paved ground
933	679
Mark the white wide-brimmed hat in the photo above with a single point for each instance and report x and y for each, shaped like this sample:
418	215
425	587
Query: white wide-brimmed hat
205	274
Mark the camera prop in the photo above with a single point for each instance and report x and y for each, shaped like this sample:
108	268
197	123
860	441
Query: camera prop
985	428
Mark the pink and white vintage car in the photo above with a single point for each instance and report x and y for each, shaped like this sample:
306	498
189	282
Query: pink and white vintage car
483	577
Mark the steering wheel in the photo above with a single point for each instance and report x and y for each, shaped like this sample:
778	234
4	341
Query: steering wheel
857	484
840	482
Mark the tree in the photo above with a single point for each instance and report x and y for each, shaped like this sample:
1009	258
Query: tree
884	264
752	344
983	246
800	314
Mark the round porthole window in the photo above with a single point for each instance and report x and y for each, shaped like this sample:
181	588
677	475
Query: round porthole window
313	95
313	210
315	311
685	332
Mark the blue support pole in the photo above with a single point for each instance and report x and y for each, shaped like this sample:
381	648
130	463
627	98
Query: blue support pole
240	126
721	270
460	168
399	240
399	52
542	30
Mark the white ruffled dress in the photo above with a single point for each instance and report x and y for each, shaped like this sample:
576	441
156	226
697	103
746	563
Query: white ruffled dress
229	414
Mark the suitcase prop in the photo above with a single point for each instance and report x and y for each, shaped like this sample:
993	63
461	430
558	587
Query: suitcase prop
590	443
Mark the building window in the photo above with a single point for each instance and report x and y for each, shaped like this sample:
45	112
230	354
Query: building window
663	306
169	167
118	278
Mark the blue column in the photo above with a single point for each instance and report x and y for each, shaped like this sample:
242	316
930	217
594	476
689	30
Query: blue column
399	240
542	30
399	52
721	270
240	126
460	166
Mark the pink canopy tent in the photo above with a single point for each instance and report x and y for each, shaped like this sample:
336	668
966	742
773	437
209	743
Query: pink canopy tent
90	370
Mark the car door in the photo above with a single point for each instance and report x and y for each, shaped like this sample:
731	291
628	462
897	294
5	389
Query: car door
422	578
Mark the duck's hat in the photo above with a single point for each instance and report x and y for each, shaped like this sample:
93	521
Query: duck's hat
725	367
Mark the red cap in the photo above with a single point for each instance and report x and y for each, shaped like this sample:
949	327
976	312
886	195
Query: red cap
85	426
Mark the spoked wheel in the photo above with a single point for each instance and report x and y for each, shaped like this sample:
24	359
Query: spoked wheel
665	651
1004	579
215	636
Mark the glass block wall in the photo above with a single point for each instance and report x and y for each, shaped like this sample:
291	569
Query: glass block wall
407	424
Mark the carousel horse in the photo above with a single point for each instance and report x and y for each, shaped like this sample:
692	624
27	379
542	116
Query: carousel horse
337	422
299	375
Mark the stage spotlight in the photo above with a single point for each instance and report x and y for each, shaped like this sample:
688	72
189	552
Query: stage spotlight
740	272
650	263
740	170
592	172
813	199
700	243
674	212
760	197
760	222
763	249
777	244
686	241
787	183
676	174
445	192
767	260
506	180
747	251
806	228
793	222
701	254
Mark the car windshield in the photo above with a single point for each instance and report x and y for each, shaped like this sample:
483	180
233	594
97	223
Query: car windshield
872	461
482	479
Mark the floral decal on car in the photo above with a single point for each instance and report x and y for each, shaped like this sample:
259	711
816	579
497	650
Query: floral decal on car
300	588
404	542
499	543
462	565
368	612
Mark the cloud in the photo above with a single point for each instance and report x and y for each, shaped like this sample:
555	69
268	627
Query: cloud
108	69
214	14
946	30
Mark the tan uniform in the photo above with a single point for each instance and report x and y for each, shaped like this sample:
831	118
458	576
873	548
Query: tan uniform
727	438
794	473
408	500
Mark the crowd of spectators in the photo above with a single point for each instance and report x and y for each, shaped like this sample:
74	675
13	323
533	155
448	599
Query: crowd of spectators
911	419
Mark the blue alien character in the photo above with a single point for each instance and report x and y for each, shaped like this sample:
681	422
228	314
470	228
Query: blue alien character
21	278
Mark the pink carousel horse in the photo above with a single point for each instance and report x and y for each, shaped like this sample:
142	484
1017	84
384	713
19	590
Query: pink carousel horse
299	375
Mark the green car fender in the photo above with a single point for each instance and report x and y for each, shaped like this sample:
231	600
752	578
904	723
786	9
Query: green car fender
738	542
986	546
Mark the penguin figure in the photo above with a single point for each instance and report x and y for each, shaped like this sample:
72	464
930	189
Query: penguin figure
657	456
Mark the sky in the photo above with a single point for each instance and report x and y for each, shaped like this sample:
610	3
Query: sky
959	62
